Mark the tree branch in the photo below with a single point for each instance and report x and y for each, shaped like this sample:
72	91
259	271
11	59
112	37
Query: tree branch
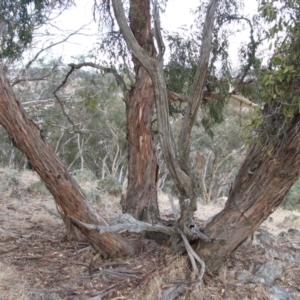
198	85
118	78
157	31
128	223
17	80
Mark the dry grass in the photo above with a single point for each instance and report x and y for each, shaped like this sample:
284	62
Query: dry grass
50	263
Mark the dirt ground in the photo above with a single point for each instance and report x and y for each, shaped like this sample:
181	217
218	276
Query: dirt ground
37	261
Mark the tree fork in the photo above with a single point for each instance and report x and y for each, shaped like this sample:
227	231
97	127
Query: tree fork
66	192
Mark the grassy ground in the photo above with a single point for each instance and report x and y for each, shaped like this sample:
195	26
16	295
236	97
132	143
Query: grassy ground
38	261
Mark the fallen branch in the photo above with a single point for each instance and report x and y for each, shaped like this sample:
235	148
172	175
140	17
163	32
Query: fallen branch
128	223
172	292
192	255
50	211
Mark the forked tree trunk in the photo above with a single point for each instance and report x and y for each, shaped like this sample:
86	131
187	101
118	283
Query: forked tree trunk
260	186
178	167
66	192
141	197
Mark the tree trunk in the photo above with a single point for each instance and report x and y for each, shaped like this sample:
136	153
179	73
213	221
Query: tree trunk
67	194
260	186
141	197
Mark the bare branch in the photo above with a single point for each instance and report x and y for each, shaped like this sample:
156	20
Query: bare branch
172	96
17	80
129	223
50	211
118	78
157	31
60	102
243	100
198	84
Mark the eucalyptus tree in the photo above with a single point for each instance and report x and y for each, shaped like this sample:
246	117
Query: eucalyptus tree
27	136
272	162
269	169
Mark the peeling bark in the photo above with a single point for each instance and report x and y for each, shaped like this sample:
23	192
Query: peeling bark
141	196
67	193
178	167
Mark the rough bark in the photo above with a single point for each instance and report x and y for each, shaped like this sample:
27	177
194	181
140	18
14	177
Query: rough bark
67	194
141	196
154	67
260	186
155	70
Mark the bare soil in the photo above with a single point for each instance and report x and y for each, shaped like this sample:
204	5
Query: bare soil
37	261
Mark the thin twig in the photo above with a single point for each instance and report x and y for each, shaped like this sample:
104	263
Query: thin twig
17	80
192	253
51	212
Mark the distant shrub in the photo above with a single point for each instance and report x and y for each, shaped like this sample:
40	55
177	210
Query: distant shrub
292	199
93	195
84	175
111	185
11	179
39	187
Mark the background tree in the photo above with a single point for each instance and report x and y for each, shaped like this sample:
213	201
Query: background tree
69	197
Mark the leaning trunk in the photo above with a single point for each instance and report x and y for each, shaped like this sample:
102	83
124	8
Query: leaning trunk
67	194
141	197
260	186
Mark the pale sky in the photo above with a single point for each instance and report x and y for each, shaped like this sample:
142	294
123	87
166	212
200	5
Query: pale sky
72	19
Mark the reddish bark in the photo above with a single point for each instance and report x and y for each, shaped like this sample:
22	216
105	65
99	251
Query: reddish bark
260	186
66	192
141	197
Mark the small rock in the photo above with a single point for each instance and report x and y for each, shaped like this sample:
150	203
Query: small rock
270	271
243	276
288	257
265	237
246	277
52	296
294	233
257	279
271	254
283	234
277	293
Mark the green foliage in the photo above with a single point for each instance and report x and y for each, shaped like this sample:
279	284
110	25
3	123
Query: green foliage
111	185
12	179
39	187
292	199
84	175
22	17
93	195
181	70
279	83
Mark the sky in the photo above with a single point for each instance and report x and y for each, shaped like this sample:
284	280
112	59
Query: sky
175	16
